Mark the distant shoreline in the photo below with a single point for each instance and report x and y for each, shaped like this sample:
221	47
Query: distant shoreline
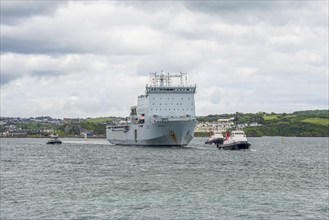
100	137
197	134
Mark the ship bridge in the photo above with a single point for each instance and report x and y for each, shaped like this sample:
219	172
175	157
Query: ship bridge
168	98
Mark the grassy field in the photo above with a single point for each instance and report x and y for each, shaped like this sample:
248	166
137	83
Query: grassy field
270	117
274	117
318	121
99	120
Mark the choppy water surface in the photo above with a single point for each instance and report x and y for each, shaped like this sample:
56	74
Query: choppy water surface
91	179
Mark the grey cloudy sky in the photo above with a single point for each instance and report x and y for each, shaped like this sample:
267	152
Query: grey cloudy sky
93	58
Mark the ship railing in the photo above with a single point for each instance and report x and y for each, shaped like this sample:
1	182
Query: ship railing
171	86
169	89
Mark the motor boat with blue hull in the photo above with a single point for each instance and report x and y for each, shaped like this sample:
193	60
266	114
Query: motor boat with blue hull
236	141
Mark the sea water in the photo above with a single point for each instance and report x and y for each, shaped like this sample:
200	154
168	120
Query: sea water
92	179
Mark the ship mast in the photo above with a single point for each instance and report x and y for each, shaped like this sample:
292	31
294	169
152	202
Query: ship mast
163	80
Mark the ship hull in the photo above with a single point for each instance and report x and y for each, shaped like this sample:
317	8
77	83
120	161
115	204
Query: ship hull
239	145
157	133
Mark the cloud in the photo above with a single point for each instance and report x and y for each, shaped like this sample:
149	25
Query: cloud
19	11
275	13
85	59
71	30
94	88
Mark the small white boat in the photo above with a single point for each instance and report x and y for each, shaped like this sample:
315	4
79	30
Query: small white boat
236	141
54	139
215	138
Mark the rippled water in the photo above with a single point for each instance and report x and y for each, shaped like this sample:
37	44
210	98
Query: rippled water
91	179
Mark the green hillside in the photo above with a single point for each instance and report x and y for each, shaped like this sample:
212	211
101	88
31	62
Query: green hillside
312	123
317	121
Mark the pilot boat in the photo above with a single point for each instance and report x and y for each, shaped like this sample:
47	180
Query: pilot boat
236	141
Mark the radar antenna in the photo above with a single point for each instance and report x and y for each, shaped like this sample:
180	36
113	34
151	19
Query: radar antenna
166	80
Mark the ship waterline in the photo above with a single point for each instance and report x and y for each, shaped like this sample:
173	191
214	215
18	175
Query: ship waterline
164	116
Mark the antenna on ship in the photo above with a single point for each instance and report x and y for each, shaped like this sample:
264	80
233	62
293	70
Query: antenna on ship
162	79
168	79
153	77
181	78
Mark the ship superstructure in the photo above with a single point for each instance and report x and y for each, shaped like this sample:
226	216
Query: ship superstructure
164	116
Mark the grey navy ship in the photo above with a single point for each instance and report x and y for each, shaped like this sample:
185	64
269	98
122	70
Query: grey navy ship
164	116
